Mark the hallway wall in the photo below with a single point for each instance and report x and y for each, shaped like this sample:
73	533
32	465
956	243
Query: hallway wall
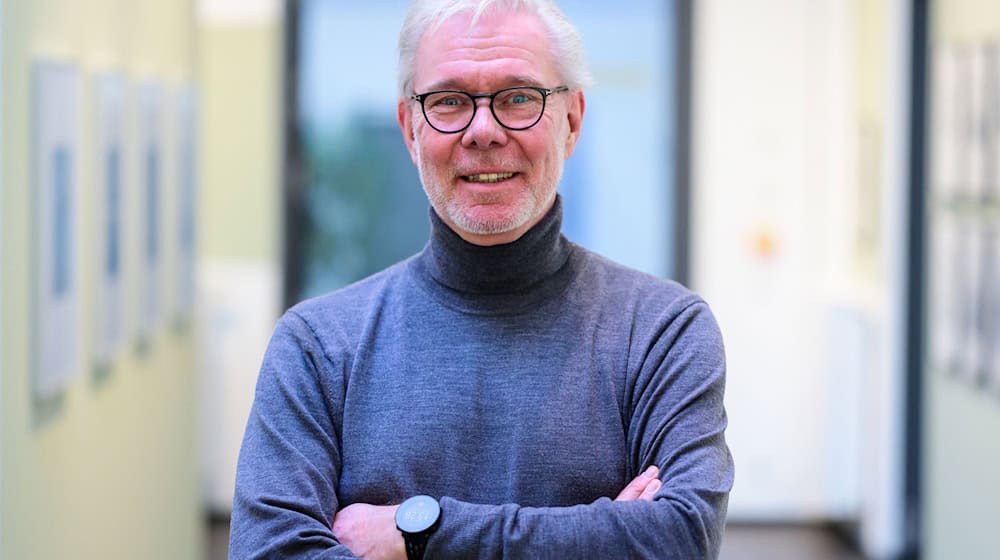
239	277
798	206
107	468
961	448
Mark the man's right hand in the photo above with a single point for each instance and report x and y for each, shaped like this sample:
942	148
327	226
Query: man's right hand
642	487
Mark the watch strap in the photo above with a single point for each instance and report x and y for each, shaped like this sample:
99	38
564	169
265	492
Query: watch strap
415	545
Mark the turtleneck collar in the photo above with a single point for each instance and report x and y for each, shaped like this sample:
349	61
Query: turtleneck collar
511	268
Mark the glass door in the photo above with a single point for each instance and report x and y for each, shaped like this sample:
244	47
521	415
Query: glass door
355	204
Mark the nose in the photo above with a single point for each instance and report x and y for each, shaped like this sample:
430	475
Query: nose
484	131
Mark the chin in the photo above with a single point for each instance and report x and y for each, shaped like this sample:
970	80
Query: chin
490	219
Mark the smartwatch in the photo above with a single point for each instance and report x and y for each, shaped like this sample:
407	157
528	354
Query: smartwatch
416	519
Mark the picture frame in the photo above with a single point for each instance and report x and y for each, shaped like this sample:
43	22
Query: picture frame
150	209
109	205
186	103
55	356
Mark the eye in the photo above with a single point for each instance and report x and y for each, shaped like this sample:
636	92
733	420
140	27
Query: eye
519	98
446	100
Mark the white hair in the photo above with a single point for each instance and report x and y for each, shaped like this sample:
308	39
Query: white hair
427	15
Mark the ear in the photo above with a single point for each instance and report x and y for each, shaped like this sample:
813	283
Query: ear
404	115
577	106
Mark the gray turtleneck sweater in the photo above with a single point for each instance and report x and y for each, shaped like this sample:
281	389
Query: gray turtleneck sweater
522	385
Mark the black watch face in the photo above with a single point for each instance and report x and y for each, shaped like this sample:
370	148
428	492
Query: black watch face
417	514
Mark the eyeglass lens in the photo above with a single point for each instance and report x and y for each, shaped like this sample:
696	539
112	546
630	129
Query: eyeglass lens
451	111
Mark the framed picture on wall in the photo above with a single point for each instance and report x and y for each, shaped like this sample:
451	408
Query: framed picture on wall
969	249
186	192
150	187
949	305
55	283
946	133
973	122
992	164
991	126
945	320
990	374
109	210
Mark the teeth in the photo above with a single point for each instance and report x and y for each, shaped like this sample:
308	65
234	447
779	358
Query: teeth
488	177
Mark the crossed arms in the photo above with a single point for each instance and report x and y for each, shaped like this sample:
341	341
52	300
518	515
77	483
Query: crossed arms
288	491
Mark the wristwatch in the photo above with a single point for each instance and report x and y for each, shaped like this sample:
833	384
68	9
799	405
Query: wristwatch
417	518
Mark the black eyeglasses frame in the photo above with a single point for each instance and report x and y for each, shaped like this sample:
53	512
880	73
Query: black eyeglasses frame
544	92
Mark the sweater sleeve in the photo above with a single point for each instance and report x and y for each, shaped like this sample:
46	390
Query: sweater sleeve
676	420
290	461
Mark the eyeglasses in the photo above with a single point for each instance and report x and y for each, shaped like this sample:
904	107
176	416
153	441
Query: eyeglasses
515	108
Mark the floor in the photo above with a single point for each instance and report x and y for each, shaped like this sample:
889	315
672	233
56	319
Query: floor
784	542
742	542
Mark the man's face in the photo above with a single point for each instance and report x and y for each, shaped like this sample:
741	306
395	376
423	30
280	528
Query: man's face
488	183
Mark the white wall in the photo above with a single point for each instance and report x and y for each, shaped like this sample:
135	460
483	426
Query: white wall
77	469
771	102
239	231
788	187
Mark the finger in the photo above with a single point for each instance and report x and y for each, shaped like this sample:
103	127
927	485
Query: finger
652	487
634	489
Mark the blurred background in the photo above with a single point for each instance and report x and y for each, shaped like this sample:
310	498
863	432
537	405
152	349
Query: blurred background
176	173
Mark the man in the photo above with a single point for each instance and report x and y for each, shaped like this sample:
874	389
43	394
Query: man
488	397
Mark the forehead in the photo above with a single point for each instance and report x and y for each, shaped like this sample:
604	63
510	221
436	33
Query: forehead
502	48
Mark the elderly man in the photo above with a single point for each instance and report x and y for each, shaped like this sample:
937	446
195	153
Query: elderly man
505	392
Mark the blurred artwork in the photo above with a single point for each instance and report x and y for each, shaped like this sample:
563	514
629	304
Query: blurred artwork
184	222
109	213
991	310
991	167
964	322
150	194
55	270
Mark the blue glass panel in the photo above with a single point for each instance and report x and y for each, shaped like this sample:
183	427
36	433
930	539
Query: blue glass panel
618	186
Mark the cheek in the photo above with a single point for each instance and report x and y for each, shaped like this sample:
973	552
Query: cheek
432	156
547	153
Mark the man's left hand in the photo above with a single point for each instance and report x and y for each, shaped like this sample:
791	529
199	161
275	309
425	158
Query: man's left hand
370	532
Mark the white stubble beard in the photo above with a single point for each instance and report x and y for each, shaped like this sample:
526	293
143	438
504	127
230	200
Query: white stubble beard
456	212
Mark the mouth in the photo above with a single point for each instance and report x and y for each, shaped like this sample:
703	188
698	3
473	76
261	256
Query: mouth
489	177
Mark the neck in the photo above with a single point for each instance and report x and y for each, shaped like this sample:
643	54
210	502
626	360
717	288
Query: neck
517	266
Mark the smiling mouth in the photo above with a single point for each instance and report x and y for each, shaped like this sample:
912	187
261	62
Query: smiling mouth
488	177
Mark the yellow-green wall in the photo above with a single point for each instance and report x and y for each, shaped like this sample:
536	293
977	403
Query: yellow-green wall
109	470
961	485
241	82
240	226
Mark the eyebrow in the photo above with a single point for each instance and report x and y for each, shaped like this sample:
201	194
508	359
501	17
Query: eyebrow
456	84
